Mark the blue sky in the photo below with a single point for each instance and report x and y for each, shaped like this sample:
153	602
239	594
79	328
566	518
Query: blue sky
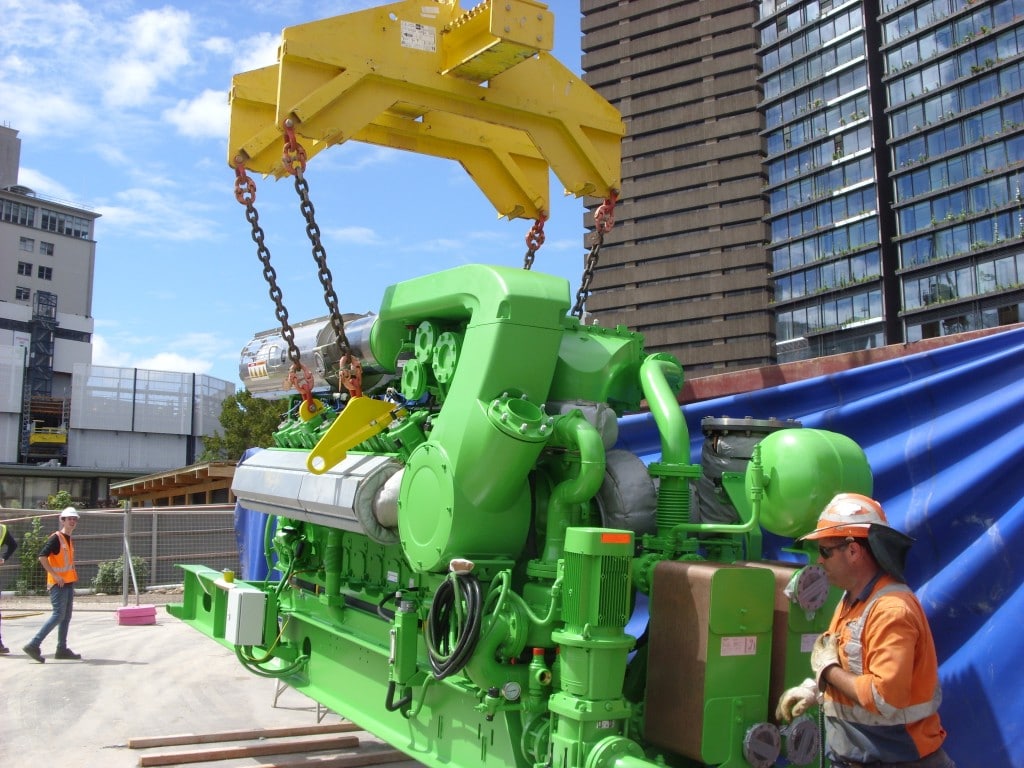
121	107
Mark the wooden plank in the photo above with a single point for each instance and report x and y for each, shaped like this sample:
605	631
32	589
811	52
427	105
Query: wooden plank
343	761
253	733
252	750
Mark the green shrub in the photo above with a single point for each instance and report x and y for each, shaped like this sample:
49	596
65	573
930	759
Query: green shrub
31	576
109	575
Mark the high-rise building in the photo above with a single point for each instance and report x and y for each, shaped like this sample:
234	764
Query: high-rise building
685	263
47	260
890	180
827	165
954	87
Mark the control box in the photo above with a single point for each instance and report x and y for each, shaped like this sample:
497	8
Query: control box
244	620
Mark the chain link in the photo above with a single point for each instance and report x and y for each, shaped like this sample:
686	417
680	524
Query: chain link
534	240
245	193
604	220
350	370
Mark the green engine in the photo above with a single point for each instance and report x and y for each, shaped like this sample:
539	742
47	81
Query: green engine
463	563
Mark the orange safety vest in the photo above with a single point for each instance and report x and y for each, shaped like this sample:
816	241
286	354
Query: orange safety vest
885	640
63	562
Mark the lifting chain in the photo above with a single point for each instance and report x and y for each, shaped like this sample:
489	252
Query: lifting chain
604	220
350	370
245	192
534	240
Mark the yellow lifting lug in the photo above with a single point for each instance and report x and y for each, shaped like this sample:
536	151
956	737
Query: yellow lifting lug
478	87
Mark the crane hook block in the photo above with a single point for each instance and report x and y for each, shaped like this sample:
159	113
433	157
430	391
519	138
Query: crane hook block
479	87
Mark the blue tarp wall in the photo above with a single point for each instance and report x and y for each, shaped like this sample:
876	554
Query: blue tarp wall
943	432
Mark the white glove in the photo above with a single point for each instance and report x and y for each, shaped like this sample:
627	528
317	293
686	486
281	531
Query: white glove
795	701
824	654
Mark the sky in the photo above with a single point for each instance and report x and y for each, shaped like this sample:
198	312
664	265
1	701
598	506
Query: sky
121	108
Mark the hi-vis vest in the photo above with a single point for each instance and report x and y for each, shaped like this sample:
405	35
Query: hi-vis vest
3	533
63	562
892	734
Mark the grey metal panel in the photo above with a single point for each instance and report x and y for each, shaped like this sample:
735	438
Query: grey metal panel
10	429
163	402
12	373
277	482
102	397
125	450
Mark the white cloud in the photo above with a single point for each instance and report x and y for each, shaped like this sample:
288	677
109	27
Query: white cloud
104	353
155	48
43	184
148	212
257	51
357	235
205	116
172	361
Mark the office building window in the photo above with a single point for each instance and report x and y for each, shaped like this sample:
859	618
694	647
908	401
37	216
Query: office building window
24	268
16	213
45	273
46	249
26	244
22	294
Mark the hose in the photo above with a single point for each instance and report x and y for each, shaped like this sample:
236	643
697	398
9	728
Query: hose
450	644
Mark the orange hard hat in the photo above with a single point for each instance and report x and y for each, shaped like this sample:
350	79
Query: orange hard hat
848	514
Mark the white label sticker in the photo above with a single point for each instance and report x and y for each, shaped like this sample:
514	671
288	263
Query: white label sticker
419	36
807	643
739	646
392	577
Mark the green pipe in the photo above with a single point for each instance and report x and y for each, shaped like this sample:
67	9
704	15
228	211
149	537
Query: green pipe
572	431
661	377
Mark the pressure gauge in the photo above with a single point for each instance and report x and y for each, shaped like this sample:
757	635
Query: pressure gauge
511	691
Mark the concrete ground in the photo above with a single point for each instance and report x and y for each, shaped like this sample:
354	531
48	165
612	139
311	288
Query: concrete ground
134	681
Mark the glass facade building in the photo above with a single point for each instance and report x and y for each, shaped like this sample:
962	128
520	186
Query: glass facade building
953	84
895	143
826	170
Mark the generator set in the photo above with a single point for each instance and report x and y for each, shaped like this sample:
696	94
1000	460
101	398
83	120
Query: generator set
459	555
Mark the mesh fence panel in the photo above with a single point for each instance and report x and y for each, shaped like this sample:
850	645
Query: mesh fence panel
161	536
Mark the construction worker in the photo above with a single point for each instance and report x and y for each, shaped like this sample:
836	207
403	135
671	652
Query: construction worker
875	669
7	546
58	559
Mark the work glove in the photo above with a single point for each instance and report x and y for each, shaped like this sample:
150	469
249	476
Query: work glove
795	701
824	654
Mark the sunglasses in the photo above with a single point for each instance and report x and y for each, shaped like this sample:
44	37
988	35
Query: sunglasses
826	552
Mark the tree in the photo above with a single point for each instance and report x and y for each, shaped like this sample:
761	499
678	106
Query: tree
248	422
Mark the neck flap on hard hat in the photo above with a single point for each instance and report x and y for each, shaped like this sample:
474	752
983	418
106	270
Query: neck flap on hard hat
890	548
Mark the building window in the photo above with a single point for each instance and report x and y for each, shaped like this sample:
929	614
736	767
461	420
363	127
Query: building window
24	269
46	249
45	273
26	244
22	294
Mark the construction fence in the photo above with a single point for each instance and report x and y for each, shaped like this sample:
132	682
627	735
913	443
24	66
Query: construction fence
163	537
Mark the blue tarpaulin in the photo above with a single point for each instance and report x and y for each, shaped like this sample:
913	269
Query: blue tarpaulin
942	431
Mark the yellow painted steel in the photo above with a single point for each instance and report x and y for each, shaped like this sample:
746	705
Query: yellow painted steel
477	87
362	418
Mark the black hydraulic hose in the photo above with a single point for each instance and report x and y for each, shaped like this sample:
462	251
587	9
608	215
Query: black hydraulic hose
445	661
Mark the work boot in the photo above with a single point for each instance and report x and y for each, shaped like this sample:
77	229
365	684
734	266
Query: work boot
33	651
67	653
4	648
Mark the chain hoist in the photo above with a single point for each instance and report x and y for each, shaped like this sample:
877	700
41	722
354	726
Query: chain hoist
604	220
300	376
534	240
350	370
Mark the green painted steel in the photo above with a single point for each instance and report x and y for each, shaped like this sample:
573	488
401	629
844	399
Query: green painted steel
460	583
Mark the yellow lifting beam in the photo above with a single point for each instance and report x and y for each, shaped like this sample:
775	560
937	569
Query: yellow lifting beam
478	87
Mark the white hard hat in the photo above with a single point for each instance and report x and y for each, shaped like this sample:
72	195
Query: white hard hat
69	512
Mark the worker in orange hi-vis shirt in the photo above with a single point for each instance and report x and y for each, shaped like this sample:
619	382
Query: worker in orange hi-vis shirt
875	670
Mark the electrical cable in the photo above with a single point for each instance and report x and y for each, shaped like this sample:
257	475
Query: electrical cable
450	645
